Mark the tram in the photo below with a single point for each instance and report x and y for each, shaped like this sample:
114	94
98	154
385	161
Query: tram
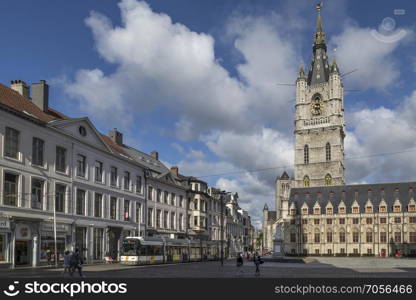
158	250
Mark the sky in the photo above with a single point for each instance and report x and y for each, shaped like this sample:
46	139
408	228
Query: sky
197	80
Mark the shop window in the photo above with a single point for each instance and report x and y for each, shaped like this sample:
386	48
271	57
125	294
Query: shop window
98	244
47	248
2	247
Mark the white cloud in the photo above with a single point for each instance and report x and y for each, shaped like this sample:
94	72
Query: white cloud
195	154
357	48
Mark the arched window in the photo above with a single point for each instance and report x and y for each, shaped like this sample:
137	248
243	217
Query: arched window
306	181
306	154
328	179
328	151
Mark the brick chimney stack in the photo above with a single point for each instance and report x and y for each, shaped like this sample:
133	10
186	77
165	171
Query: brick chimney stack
155	155
21	87
175	171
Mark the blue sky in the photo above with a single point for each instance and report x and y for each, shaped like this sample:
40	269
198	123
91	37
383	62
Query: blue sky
195	80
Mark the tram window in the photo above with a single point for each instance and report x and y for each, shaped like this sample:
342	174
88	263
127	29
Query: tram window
142	250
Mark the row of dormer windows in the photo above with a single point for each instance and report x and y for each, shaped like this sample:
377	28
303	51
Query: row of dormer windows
354	209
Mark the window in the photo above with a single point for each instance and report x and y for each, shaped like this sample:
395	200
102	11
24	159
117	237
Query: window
60	164
397	208
355	220
304	221
328	180
383	237
165	197
98	205
98	244
293	212
165	219
355	251
329	237
180	201
113	208
329	251
397	237
37	193
369	237
150	193
316	251
304	211
369	221
316	221
138	184
81	165
305	238
317	238
342	237
172	199
11	143
368	209
412	237
306	154
180	222
293	221
355	210
355	237
306	181
2	247
329	221
158	218
328	152
342	250
383	208
126	212
98	171
412	207
150	217
127	180
329	210
316	211
369	251
195	221
80	209
138	212
172	221
113	176
60	191
412	220
383	220
37	151
293	237
10	189
341	210
159	195
342	221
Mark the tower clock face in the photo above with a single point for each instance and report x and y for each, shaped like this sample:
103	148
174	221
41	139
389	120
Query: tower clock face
316	108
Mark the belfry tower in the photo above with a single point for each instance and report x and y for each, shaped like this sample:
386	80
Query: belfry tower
319	119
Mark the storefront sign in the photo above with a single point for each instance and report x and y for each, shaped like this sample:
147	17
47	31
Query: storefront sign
48	226
23	232
4	224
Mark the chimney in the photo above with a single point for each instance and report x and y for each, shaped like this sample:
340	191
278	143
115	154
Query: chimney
155	155
116	136
21	87
175	171
40	95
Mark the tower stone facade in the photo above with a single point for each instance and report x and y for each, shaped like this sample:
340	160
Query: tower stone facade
319	120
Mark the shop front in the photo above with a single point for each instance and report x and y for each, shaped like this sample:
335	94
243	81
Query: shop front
114	235
47	241
25	245
5	236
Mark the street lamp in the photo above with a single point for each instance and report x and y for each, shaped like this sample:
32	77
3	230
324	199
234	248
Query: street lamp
222	193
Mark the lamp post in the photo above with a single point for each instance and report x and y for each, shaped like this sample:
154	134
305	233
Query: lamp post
54	233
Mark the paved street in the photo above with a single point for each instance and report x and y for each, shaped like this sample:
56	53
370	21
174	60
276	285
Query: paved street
311	267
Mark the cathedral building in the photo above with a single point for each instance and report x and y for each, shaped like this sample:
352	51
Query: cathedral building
321	215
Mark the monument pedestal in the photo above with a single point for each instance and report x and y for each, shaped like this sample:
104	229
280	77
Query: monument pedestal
278	250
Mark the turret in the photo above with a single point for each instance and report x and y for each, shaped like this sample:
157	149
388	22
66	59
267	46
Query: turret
335	84
283	186
301	86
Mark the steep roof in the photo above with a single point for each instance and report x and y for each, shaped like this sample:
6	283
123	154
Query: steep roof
389	192
13	100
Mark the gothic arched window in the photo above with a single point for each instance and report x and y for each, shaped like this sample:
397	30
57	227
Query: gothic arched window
306	154
328	151
328	179
306	181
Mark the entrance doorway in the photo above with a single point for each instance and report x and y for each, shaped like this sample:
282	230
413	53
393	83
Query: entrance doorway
22	253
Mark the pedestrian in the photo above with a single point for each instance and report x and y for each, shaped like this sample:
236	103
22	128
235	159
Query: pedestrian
257	261
76	262
49	256
67	261
240	263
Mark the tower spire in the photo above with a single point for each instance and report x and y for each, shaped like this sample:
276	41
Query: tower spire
319	40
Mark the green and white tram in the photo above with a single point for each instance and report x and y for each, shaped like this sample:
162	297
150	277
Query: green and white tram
140	251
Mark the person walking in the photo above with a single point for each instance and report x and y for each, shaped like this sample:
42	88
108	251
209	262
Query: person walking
240	263
76	262
67	260
49	256
257	261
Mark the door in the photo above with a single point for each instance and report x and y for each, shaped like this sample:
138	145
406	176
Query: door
22	253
